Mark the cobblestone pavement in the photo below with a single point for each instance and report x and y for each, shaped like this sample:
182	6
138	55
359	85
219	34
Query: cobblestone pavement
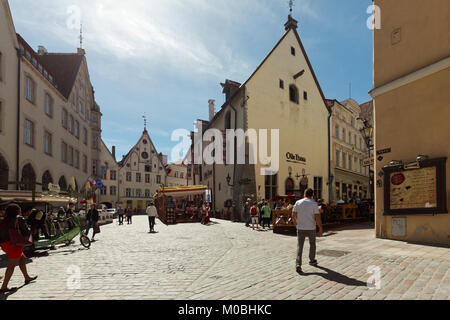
228	261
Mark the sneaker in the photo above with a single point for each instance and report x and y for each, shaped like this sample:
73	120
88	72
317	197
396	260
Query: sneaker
314	263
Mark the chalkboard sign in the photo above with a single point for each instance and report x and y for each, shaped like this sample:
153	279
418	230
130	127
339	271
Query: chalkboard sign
421	190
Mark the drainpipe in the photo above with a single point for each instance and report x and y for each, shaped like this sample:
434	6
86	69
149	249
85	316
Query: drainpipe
19	57
330	186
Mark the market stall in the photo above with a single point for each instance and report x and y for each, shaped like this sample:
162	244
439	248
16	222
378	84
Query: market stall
180	204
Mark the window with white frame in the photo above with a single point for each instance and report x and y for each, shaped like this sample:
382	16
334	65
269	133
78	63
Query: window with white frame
29	89
47	143
138	178
76	160
112	191
29	132
76	129
64	118
48	105
64	152
128	193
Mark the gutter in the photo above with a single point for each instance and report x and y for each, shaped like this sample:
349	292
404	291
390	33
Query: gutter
330	182
19	58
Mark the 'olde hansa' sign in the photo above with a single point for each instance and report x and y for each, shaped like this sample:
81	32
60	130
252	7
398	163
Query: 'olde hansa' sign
295	158
416	191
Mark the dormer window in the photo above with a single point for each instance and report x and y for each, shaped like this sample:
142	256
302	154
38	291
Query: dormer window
293	94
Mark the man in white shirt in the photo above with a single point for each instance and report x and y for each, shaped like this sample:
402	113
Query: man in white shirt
152	213
306	216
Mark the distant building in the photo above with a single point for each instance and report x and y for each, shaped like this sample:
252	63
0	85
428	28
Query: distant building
134	180
176	174
411	93
348	151
50	125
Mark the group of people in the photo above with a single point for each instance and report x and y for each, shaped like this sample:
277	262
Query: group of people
128	213
258	214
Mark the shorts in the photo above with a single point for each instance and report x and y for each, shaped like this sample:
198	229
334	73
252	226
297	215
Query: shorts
255	219
13	252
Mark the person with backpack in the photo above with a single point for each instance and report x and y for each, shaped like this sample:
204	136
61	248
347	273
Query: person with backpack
254	212
14	224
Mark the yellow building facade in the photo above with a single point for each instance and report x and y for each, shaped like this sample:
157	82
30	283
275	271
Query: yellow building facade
412	109
283	97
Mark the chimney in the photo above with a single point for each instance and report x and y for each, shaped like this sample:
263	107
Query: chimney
42	50
211	109
114	152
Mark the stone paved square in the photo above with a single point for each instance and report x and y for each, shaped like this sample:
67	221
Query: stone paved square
229	261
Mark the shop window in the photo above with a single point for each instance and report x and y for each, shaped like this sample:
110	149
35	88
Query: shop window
271	186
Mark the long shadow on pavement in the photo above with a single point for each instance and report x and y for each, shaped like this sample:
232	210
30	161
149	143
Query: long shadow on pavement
331	275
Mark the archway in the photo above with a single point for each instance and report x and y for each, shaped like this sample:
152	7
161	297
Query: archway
289	186
4	173
62	183
28	175
46	180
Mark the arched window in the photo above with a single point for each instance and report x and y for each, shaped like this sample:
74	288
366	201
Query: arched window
293	93
4	173
62	183
46	179
290	185
28	175
228	121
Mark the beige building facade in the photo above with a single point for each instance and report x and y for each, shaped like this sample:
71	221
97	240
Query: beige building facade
176	174
412	137
51	125
348	150
282	94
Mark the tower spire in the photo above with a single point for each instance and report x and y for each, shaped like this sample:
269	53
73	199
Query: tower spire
81	35
145	122
291	23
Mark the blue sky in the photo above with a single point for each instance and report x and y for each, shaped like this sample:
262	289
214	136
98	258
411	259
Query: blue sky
166	59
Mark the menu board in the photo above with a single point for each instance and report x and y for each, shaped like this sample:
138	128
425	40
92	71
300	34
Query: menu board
414	189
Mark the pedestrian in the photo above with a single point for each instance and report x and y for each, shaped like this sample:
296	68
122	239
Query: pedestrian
204	212
14	221
92	218
254	212
121	213
61	213
152	214
69	214
266	212
129	216
208	213
307	217
247	213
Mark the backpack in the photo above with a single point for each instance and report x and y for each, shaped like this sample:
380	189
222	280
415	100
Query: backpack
253	211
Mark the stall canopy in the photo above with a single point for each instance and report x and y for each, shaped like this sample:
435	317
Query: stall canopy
26	196
181	191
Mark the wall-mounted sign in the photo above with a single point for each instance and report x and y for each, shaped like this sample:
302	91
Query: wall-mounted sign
384	151
416	191
295	158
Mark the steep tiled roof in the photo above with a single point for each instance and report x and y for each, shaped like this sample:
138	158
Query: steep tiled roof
65	69
367	111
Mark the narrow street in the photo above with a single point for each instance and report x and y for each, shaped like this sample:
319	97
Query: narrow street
228	261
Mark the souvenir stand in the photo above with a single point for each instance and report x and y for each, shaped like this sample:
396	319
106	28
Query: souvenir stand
180	204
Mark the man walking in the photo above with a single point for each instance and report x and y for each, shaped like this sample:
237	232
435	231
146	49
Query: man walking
92	218
152	213
121	213
306	216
